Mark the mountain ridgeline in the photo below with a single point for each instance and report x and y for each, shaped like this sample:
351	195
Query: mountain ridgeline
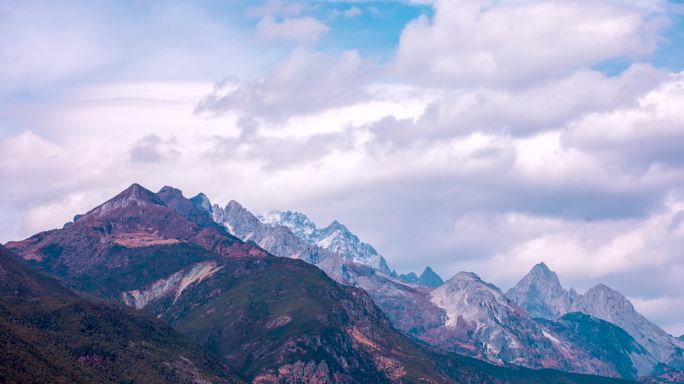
180	290
537	324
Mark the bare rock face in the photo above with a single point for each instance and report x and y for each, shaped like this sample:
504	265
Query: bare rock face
479	316
430	278
279	240
466	315
541	294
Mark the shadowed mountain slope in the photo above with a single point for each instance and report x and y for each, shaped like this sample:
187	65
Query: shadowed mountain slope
50	334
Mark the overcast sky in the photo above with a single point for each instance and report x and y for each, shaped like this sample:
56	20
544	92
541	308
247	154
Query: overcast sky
480	135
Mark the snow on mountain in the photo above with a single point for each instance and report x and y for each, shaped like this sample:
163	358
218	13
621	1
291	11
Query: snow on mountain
279	240
335	238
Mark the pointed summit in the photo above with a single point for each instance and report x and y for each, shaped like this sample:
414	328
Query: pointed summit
430	279
335	226
234	205
541	293
201	201
135	195
174	199
136	191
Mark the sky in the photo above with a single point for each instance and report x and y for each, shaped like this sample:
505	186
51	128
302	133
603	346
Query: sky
478	135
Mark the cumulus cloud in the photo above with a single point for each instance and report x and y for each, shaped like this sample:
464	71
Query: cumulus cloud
524	111
506	42
650	134
306	82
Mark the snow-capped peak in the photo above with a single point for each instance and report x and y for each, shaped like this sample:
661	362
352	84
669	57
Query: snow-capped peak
336	237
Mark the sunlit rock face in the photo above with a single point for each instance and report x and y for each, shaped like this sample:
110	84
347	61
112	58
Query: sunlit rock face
541	294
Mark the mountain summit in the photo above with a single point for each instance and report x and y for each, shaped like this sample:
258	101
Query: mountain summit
430	278
541	294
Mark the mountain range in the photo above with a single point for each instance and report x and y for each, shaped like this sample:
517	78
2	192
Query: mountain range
537	324
183	290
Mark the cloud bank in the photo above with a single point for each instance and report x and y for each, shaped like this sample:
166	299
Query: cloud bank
497	135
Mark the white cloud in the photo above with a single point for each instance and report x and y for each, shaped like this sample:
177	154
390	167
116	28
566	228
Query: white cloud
478	42
639	137
516	150
307	81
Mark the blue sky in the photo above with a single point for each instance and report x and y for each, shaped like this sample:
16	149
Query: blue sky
497	134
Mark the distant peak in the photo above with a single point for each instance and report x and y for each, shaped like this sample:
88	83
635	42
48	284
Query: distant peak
430	278
170	192
602	288
337	225
135	190
234	205
465	276
135	194
541	273
542	266
202	201
201	197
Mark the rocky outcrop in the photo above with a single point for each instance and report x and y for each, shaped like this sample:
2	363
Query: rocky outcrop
541	294
430	278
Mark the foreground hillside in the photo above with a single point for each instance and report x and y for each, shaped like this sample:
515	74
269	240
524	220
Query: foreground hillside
49	334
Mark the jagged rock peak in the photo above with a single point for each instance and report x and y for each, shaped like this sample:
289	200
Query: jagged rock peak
170	191
542	272
430	278
336	226
464	276
603	294
540	292
234	205
203	202
133	195
336	238
410	278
